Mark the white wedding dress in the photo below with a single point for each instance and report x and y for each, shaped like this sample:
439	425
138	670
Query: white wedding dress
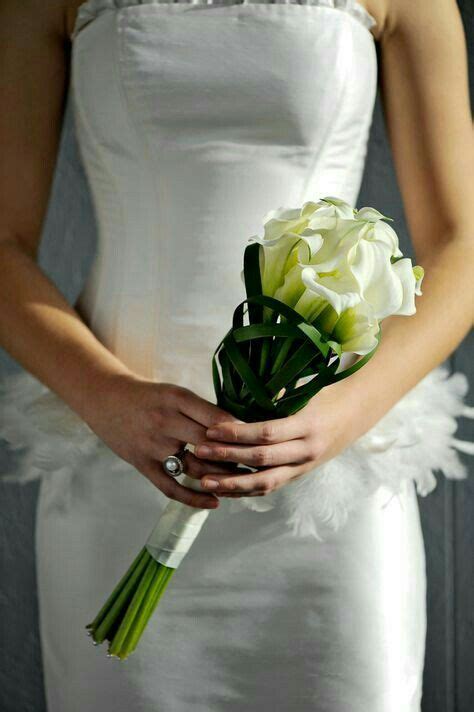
194	119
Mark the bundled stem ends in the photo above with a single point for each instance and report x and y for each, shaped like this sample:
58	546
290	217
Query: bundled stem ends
125	614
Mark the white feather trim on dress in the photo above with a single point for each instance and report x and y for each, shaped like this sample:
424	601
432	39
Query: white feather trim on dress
411	442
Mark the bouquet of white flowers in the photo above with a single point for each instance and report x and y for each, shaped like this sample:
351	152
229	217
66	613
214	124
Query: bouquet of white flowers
318	284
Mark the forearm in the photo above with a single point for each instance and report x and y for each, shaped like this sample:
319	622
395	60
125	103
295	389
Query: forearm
413	346
47	336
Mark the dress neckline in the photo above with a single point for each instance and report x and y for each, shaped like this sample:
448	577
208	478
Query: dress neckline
89	9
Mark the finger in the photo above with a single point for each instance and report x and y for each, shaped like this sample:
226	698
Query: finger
292	451
229	495
265	432
196	468
174	490
264	481
193	466
202	411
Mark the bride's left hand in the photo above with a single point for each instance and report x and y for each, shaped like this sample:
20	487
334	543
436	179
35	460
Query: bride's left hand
283	449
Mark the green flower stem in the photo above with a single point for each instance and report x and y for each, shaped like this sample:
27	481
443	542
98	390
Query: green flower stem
281	355
138	624
100	632
133	608
269	317
156	590
264	354
111	599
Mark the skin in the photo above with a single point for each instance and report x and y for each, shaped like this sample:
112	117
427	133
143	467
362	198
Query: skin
425	96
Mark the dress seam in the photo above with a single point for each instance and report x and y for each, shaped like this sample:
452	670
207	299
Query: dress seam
364	130
146	154
319	151
87	129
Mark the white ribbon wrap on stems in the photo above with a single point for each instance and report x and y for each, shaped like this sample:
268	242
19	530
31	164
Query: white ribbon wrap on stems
176	530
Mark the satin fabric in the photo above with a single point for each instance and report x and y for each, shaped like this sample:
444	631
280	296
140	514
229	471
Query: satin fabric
194	120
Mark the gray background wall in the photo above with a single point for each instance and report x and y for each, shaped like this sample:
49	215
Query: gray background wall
447	514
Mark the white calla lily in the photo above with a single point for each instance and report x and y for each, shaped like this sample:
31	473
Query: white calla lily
337	288
280	254
410	278
375	228
310	305
335	252
281	221
340	268
356	329
379	283
404	271
333	206
370	215
325	213
292	288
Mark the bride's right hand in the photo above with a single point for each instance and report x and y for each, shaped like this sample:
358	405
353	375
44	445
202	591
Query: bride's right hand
143	422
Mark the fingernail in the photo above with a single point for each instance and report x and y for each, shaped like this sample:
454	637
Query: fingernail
213	433
203	450
211	484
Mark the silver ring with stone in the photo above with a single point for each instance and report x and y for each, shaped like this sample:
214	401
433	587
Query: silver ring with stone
173	464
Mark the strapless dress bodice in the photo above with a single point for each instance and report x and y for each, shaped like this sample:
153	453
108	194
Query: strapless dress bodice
194	119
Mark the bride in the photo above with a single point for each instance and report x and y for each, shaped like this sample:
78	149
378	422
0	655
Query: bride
194	119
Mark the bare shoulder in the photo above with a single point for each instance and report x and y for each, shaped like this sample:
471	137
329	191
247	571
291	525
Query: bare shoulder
405	17
425	94
412	17
379	11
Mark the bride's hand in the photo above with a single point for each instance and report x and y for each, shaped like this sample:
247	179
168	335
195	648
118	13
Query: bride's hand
143	422
286	448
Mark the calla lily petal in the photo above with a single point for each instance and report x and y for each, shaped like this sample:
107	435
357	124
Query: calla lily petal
292	288
379	284
369	215
332	289
356	329
276	256
282	253
404	271
339	207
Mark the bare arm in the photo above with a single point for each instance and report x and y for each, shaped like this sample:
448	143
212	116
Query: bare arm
427	108
37	326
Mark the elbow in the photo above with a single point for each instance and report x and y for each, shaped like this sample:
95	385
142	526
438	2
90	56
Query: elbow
453	236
